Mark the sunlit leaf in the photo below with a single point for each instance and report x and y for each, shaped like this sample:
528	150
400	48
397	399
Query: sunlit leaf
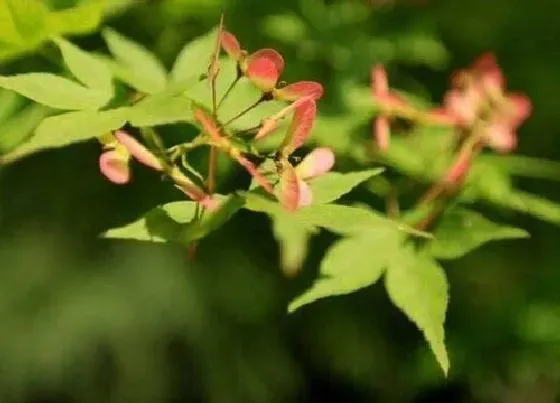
72	127
211	221
92	72
54	91
349	264
29	17
83	18
135	65
193	59
333	185
20	127
417	285
460	231
293	238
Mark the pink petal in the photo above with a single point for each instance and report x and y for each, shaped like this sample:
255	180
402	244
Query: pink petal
230	45
305	194
114	166
300	127
269	54
463	105
381	132
318	162
253	170
298	90
486	67
379	81
289	191
263	73
501	137
137	150
522	108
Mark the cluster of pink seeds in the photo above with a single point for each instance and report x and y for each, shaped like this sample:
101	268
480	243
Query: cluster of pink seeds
263	69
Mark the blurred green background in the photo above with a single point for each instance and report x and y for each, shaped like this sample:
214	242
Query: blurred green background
90	320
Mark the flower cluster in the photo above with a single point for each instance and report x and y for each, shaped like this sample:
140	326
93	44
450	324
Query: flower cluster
478	102
263	69
476	105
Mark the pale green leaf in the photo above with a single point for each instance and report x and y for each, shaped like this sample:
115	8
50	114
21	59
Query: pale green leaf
293	238
29	17
531	204
194	58
72	127
350	265
417	285
460	231
157	110
337	218
91	71
54	91
333	185
521	165
20	127
211	220
8	30
146	228
83	18
135	65
136	230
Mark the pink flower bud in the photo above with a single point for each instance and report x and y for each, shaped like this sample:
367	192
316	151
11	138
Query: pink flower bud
300	127
263	68
138	151
299	90
230	45
318	162
114	166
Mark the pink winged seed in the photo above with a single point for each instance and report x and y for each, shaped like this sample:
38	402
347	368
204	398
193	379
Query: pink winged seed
263	73
230	45
299	90
289	190
300	127
382	132
138	151
318	162
114	167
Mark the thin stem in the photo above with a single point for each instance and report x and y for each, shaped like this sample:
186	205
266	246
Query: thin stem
244	111
212	169
229	89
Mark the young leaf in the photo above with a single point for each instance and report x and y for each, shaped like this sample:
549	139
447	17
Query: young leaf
83	18
528	203
54	91
339	219
72	127
212	221
349	264
29	17
460	231
157	110
417	285
136	230
331	186
146	227
192	60
520	165
20	127
91	71
135	64
293	237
